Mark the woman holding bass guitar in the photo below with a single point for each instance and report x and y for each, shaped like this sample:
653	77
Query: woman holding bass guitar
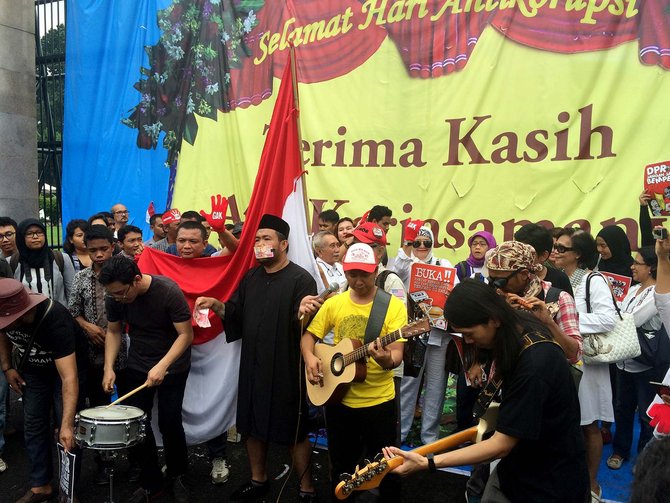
537	437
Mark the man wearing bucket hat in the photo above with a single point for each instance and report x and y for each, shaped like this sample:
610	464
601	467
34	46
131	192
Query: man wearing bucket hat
366	417
45	331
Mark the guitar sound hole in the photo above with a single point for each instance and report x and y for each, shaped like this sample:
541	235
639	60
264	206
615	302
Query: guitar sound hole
337	364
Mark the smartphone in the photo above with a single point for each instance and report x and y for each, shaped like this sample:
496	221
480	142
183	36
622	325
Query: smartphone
661	389
660	233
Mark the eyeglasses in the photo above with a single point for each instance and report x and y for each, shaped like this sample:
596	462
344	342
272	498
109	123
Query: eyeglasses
635	262
36	234
502	282
116	296
418	244
8	236
121	212
562	249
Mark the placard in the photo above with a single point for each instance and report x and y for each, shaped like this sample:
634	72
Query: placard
429	286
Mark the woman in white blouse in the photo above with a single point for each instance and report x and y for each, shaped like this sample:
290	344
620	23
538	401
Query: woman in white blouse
576	254
632	377
435	376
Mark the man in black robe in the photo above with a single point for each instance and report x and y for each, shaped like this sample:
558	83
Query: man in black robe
265	313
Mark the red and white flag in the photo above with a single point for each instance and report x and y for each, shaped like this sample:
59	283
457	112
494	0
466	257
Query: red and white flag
211	389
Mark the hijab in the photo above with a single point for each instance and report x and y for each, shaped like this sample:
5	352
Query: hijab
488	237
33	259
619	246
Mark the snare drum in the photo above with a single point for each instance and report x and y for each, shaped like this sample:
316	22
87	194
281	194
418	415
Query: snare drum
110	428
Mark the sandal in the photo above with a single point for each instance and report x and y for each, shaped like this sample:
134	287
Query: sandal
614	462
596	497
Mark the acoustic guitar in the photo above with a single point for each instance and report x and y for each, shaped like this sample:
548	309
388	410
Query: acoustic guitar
371	475
345	363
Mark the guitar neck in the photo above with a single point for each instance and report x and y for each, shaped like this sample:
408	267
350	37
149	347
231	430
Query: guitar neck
449	442
362	352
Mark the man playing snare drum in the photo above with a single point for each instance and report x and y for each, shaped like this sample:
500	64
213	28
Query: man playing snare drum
46	377
160	331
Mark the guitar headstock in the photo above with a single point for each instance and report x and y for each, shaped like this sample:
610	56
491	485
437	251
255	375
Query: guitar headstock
368	477
418	327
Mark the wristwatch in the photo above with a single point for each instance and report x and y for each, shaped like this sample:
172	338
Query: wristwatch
431	462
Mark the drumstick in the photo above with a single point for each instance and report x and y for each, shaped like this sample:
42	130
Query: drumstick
139	388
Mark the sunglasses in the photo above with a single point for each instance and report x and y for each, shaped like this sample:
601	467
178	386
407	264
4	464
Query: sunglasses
562	249
502	282
418	244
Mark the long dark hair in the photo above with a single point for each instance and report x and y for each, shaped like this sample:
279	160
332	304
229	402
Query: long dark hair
474	303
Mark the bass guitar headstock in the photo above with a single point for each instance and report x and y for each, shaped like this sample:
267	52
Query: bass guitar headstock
368	477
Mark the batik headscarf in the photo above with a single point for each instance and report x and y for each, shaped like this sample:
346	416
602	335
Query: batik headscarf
426	232
513	256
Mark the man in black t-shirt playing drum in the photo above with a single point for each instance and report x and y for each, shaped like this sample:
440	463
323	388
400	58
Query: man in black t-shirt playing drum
159	326
47	377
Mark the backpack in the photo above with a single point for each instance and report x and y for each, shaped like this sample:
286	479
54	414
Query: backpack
58	258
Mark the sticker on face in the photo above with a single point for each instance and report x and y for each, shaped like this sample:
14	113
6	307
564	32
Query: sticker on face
264	252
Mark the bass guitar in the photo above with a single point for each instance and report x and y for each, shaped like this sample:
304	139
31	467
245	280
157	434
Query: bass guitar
371	475
345	363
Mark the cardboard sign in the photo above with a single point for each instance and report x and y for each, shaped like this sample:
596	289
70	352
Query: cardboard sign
657	183
429	286
66	462
620	284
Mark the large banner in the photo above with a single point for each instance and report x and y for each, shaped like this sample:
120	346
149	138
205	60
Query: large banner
470	114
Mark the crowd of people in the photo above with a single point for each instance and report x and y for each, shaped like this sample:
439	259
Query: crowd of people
80	324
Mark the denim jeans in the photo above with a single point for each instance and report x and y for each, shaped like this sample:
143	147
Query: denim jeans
633	393
216	447
41	392
3	410
170	397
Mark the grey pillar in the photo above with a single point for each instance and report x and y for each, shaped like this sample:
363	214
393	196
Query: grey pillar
18	130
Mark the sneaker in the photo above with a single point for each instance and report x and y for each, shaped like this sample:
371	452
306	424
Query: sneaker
250	491
144	496
180	489
220	471
307	497
3	465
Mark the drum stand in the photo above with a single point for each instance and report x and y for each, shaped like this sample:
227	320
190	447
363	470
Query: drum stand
111	485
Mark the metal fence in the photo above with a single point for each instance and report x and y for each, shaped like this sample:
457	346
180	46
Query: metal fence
50	89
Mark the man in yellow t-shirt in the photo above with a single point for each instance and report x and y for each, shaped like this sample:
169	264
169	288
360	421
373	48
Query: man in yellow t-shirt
365	420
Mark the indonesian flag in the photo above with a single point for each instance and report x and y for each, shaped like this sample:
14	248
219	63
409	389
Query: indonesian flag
211	389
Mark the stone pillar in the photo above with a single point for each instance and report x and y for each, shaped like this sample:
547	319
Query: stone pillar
18	130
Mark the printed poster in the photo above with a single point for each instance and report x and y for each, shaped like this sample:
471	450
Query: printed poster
429	286
66	463
657	183
620	284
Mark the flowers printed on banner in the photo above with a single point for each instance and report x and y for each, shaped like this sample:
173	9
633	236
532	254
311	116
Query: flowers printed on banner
189	69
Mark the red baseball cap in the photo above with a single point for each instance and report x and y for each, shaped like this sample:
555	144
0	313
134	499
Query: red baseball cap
360	257
15	301
370	233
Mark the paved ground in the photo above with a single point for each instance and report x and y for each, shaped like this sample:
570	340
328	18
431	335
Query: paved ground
424	487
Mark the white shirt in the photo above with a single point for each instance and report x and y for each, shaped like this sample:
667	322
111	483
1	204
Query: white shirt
646	316
333	273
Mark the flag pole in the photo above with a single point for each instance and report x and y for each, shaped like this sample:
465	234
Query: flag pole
296	102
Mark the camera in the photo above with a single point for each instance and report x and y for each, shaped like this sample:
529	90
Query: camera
660	233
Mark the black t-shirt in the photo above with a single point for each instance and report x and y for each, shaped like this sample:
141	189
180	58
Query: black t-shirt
559	279
58	336
540	408
151	317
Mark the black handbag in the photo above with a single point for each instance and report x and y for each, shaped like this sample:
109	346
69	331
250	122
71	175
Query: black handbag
654	347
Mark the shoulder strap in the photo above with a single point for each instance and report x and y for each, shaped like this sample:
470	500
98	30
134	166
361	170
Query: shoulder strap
31	341
553	295
462	269
60	261
14	261
380	281
588	293
379	307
